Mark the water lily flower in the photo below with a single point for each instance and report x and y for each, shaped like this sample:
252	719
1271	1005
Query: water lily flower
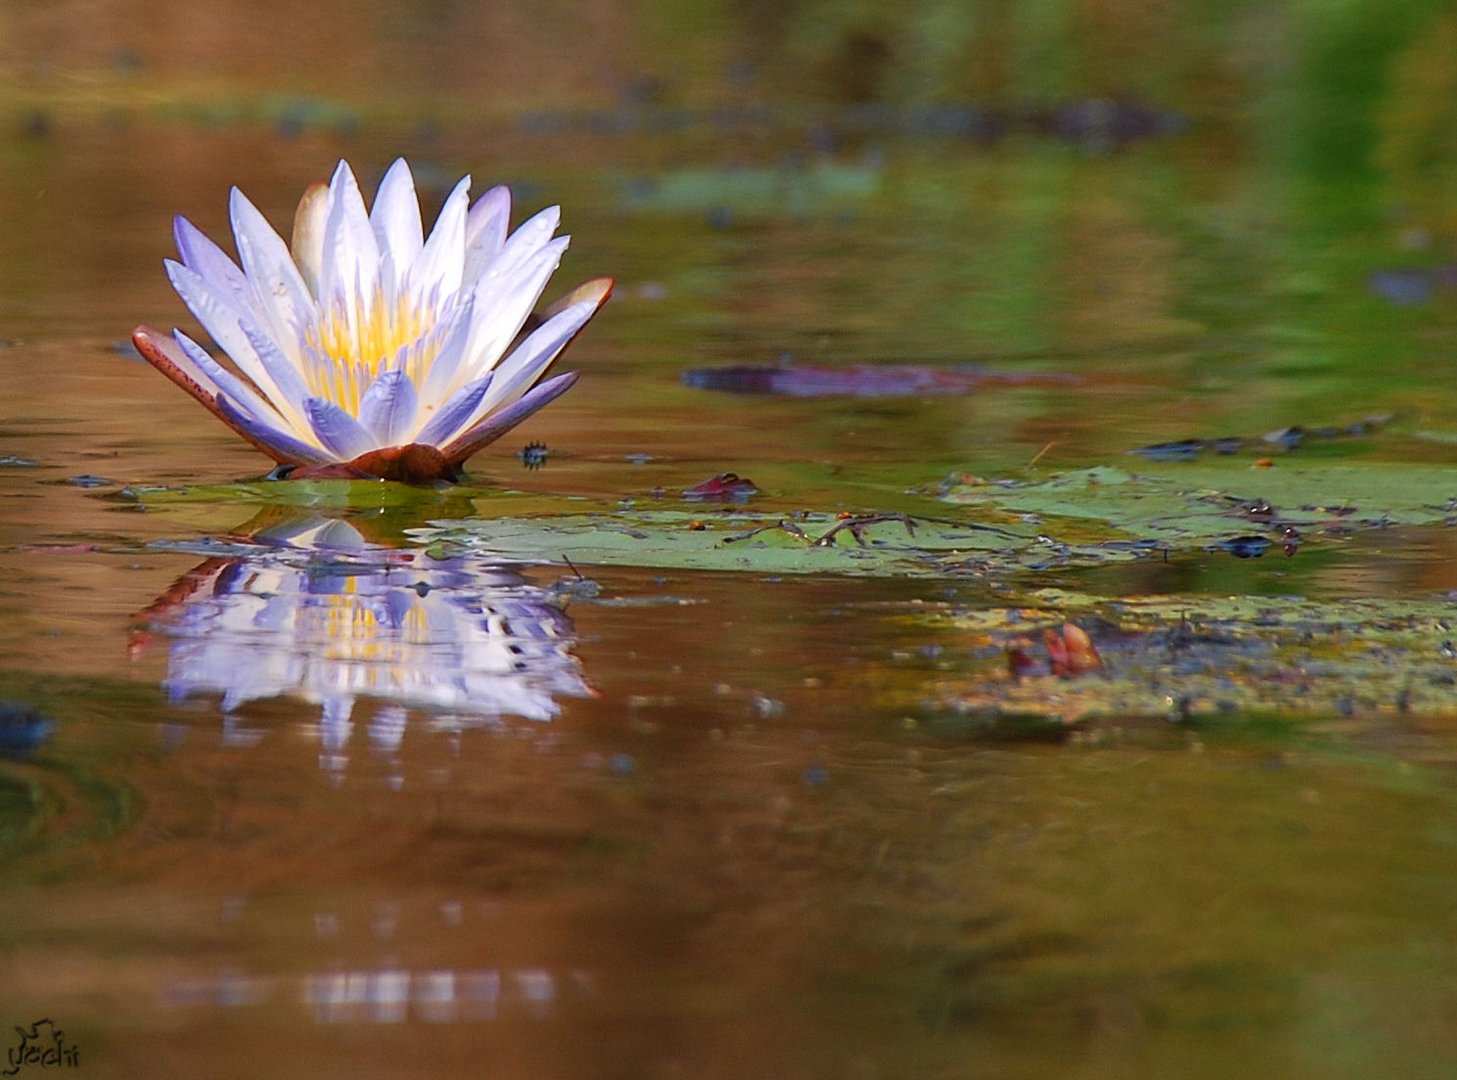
369	349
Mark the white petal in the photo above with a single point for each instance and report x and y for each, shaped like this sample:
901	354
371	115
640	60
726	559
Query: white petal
528	361
224	320
395	217
351	252
525	242
485	230
280	290
502	305
447	370
437	272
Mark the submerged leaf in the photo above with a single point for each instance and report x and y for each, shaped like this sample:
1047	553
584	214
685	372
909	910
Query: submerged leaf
859	380
1186	657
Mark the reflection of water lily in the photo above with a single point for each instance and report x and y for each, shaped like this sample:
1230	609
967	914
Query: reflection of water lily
370	349
326	617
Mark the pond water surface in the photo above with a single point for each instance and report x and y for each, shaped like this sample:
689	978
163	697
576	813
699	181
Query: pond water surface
288	792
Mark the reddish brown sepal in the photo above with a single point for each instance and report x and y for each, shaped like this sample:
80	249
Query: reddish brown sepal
153	344
598	289
412	464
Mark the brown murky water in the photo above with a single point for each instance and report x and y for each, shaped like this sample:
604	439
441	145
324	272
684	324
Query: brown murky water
313	808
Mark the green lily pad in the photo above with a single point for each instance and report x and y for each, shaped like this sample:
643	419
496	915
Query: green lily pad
670	539
1091	517
1199	505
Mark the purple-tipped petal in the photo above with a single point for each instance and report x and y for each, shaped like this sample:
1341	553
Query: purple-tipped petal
214	307
387	409
337	430
497	424
281	445
225	381
516	374
235	332
454	414
210	262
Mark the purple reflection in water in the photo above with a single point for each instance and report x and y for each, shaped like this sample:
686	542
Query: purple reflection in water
319	614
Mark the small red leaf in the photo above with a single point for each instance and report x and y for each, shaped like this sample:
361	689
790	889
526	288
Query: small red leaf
1070	651
725	487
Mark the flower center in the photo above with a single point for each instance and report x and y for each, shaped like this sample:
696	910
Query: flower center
354	340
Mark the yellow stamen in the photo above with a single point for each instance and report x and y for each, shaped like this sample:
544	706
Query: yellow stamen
358	338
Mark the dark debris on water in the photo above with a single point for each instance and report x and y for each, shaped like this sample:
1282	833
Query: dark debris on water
86	480
22	729
1244	547
1286	438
